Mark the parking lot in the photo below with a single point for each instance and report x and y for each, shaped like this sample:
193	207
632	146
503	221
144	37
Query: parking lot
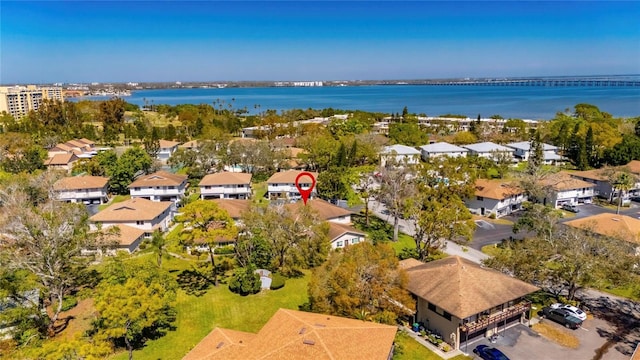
522	343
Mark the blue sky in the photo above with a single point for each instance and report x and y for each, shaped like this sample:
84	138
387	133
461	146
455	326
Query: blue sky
114	41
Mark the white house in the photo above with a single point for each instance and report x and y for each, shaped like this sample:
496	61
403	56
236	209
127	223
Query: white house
226	185
167	148
563	189
159	186
495	197
522	151
399	155
139	213
489	150
440	149
84	189
128	239
282	185
342	235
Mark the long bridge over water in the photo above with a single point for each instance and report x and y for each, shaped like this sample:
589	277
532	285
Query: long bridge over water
551	82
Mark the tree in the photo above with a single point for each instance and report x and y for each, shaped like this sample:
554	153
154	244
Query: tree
396	186
543	220
366	189
331	184
536	155
133	161
206	223
590	150
293	237
363	281
408	133
159	246
46	239
132	310
245	281
622	182
111	115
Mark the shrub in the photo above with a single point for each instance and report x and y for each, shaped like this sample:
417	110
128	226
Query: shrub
245	281
225	250
69	302
492	216
277	281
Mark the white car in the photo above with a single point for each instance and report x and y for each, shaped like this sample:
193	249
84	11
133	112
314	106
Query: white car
572	309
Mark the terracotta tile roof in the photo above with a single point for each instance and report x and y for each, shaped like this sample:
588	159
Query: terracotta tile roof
129	234
189	144
132	210
634	166
564	181
234	207
76	143
617	226
636	354
336	230
159	178
61	147
61	159
164	144
461	287
81	182
287	177
497	189
219	344
325	210
87	141
291	334
225	178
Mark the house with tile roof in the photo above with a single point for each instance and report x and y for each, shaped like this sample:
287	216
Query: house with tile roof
61	161
128	239
601	179
463	300
167	148
225	185
282	185
441	149
341	231
292	334
235	207
82	148
489	150
82	189
139	213
399	155
522	151
615	226
497	197
159	186
564	189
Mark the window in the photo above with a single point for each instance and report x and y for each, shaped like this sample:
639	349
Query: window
355	240
431	307
136	189
447	316
138	222
339	244
207	187
479	198
172	187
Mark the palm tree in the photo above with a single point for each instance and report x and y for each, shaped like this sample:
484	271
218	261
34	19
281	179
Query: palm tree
159	245
623	183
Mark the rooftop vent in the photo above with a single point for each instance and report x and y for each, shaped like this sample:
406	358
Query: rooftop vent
320	325
302	331
615	219
220	344
308	342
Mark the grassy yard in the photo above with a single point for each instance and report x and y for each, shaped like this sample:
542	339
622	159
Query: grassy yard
259	191
412	350
559	335
404	241
218	307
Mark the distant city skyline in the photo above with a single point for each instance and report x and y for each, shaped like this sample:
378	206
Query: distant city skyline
144	41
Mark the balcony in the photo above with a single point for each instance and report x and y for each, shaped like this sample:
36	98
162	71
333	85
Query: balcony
497	317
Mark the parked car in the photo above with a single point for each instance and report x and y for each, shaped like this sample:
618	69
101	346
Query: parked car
570	208
489	353
561	316
572	309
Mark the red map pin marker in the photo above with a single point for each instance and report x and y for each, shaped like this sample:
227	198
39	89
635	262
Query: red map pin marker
305	193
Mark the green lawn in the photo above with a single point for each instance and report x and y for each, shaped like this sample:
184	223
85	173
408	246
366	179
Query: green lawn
404	241
259	191
218	307
412	350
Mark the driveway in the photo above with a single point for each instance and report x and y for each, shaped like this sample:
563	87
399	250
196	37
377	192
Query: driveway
522	343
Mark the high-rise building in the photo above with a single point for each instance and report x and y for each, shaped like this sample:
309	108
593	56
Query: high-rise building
19	100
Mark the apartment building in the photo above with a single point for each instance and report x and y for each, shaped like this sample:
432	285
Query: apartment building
226	185
19	100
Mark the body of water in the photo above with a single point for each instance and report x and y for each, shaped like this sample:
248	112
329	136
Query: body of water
524	102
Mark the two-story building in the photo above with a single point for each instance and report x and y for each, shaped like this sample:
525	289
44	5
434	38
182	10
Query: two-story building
399	155
159	186
497	197
463	300
167	148
441	149
139	213
522	151
282	185
564	189
489	150
63	162
82	189
602	179
226	185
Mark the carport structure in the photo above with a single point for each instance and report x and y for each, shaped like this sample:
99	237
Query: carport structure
463	300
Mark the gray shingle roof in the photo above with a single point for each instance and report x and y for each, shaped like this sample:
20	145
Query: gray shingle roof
486	147
526	145
442	147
